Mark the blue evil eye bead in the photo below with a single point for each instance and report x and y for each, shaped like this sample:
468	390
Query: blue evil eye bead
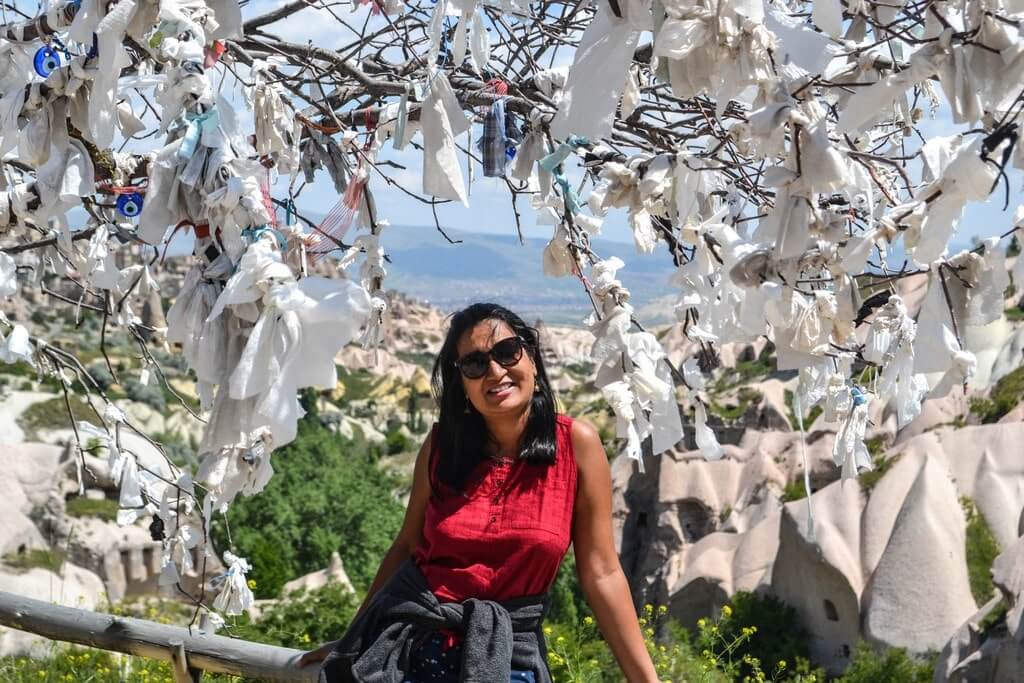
130	204
859	398
510	152
46	61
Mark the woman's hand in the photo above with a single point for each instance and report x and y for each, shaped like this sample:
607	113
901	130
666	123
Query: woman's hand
317	655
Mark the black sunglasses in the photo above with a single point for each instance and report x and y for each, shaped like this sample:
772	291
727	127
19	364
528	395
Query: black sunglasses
506	353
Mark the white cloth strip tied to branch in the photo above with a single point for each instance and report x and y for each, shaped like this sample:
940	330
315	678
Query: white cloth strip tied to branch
633	374
298	328
235	596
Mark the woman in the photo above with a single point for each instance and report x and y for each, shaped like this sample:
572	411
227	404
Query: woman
500	488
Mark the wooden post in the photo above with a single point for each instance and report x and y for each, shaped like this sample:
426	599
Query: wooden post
189	652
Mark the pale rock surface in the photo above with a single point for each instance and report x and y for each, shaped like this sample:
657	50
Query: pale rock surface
821	575
919	592
28	471
565	345
773	414
935	412
703	576
880	560
147	419
1010	356
75	587
333	573
12	405
784	448
998	349
992	651
380	361
985	463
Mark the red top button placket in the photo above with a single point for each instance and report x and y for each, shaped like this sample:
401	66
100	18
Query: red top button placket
500	474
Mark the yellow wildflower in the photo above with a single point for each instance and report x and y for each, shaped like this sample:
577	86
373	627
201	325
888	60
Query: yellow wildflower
726	611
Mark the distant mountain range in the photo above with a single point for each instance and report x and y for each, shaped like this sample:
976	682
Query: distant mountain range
487	267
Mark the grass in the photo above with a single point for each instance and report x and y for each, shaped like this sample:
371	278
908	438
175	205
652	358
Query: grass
583	369
358	383
875	446
1004	397
794	491
982	549
1014	314
53	414
746	371
92	666
43	558
104	508
791	411
731	413
424	359
882	464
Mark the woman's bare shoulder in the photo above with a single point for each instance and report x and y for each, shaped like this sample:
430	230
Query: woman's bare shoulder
586	443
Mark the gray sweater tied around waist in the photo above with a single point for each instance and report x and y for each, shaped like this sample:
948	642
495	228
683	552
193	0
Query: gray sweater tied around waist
498	636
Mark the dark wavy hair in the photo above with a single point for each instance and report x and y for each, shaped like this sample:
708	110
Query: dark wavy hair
463	436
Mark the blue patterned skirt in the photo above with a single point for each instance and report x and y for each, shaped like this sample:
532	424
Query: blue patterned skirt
434	664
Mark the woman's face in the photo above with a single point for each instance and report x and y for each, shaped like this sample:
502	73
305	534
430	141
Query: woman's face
502	390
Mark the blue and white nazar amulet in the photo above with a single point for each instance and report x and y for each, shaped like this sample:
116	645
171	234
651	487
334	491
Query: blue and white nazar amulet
46	61
129	204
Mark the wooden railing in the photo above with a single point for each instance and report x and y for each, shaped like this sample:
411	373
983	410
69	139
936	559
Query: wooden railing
190	652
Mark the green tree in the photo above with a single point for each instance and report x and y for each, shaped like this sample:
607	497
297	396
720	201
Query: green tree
891	666
326	495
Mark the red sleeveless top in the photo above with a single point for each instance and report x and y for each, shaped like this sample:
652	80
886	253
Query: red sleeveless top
506	536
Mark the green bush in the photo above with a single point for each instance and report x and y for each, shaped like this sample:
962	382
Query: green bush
53	414
892	666
180	451
795	490
305	620
151	395
747	371
397	442
93	666
881	465
101	374
568	606
325	495
813	415
104	508
780	635
1004	397
982	549
43	558
729	412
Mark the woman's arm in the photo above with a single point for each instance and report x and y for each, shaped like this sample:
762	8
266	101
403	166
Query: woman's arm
404	546
601	578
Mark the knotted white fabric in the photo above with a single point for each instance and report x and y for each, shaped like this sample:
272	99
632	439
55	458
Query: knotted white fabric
235	596
598	72
442	120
